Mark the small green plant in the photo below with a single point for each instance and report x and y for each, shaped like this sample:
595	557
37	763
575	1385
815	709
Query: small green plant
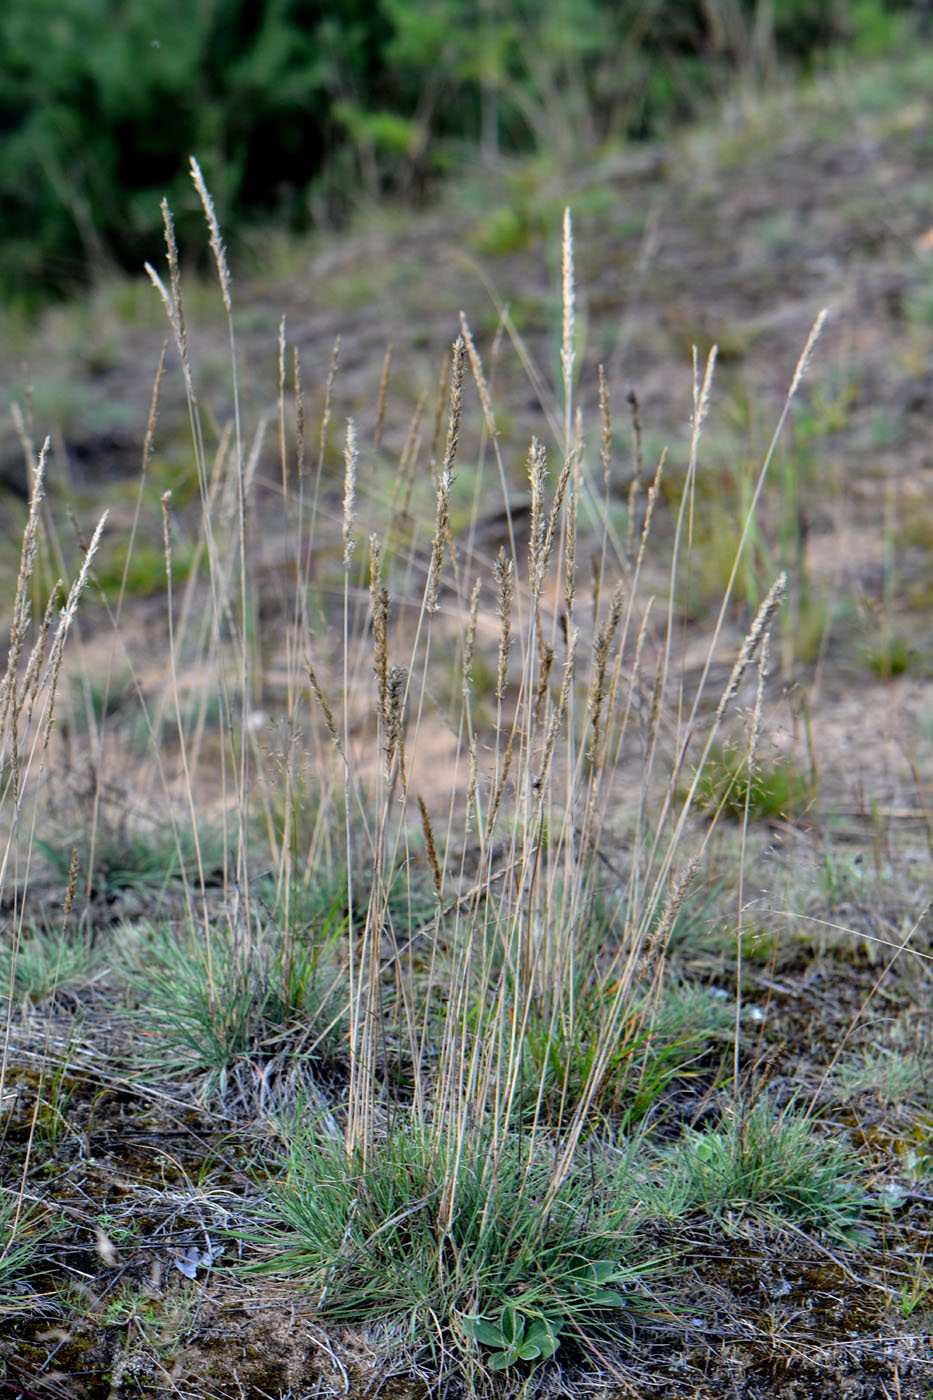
890	657
767	791
513	1336
154	1328
116	1232
916	1290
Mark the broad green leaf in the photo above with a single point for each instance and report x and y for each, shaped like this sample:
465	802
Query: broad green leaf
609	1298
529	1351
513	1325
484	1331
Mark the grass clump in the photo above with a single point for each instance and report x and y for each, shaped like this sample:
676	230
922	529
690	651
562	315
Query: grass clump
42	961
663	1037
219	1008
463	1201
118	854
759	789
890	657
20	1233
769	1164
448	1239
894	1076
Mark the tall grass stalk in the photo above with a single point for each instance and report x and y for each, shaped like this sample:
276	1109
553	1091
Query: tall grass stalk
28	691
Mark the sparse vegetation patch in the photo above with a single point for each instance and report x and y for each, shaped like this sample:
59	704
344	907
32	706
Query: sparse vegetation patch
442	951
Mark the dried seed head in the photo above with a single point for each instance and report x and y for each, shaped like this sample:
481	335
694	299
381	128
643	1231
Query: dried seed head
504	585
479	377
702	392
570	558
537	472
166	501
638	465
29	550
72	883
217	246
764	656
154	408
379	602
350	459
602	648
658	940
653	492
328	403
472	788
456	404
812	338
325	707
442	520
605	428
568	469
750	645
396	690
31	676
174	306
469	644
430	848
441	531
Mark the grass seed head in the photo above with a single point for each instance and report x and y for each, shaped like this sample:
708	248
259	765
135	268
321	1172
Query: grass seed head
350	458
217	244
504	586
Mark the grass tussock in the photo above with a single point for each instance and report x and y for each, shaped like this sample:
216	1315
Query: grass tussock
456	1251
767	1163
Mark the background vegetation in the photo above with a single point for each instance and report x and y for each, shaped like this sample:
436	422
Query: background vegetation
295	108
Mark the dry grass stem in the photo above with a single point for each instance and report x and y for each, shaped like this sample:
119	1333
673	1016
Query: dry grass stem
382	397
328	408
568	335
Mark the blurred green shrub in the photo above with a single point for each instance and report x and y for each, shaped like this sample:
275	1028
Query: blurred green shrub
102	101
294	107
